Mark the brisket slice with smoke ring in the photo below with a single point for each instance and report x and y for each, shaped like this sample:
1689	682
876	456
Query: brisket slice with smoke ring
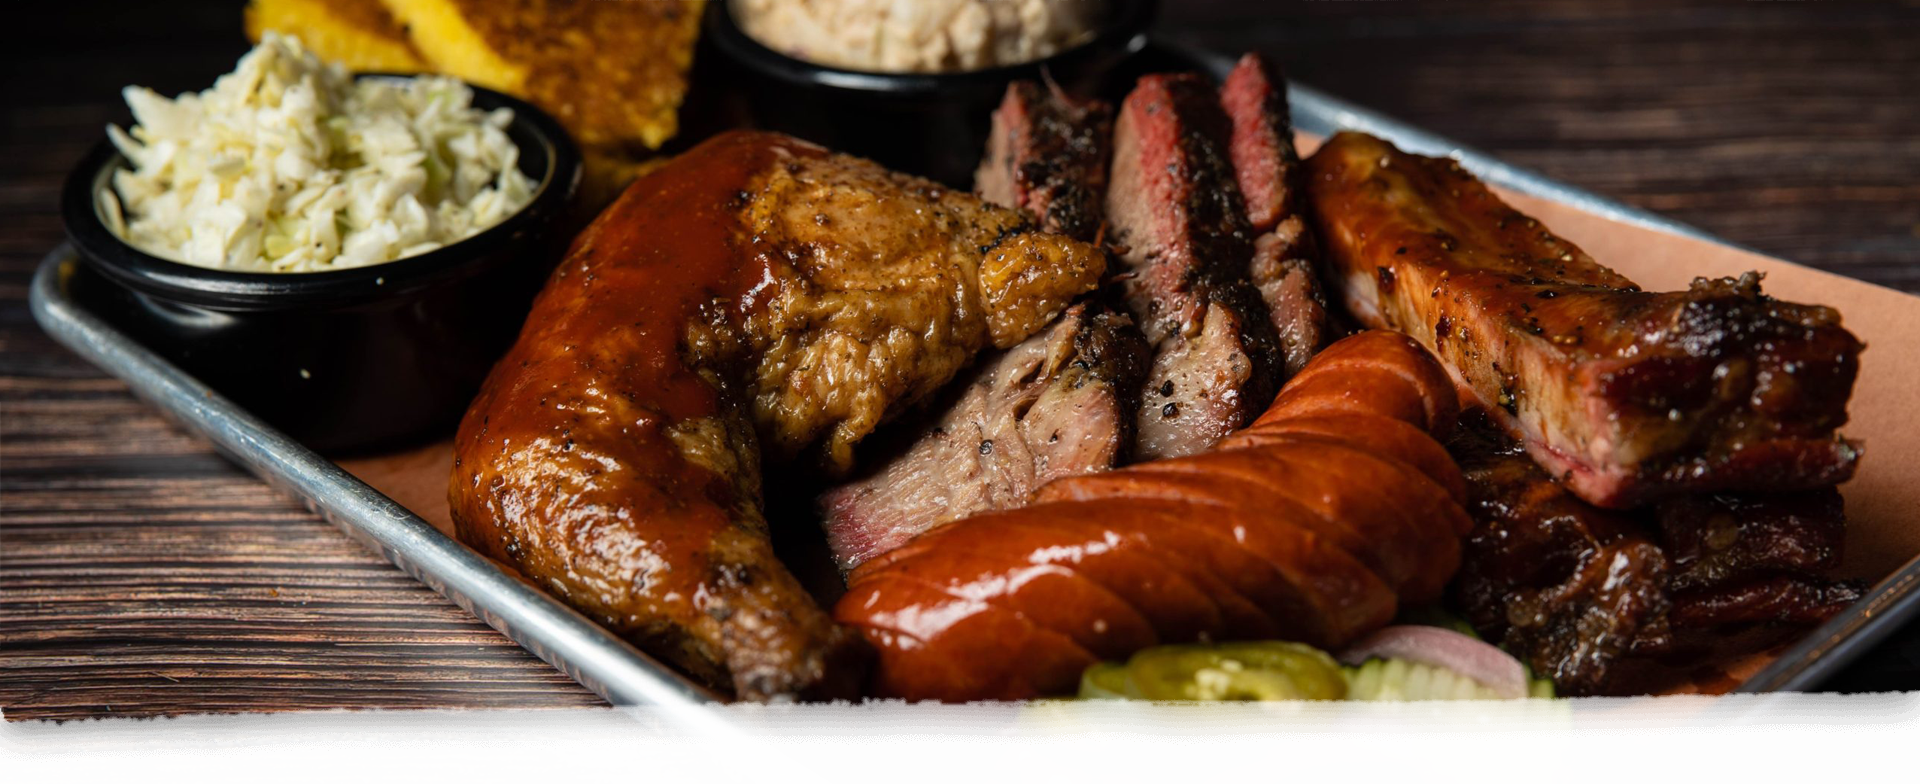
1047	155
1174	210
1268	170
1059	404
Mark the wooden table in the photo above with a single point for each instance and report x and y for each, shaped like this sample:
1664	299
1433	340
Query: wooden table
140	574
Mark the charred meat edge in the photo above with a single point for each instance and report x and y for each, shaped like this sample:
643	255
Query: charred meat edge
1176	214
1060	404
1574	590
1285	253
1047	155
1627	396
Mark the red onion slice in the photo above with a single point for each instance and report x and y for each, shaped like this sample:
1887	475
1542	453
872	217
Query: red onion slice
1437	647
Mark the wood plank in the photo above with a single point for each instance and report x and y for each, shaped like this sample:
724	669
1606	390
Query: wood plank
144	575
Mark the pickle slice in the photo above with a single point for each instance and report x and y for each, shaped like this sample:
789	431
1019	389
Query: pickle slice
1245	671
1106	681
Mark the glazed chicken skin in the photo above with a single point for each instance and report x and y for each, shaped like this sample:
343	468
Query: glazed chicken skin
756	299
1626	396
1285	530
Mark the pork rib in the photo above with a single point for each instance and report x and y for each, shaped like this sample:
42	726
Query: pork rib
1268	170
1802	600
1714	538
1175	212
1627	396
1755	558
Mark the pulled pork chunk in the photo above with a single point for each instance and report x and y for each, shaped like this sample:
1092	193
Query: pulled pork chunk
1059	404
1575	590
1566	587
1741	559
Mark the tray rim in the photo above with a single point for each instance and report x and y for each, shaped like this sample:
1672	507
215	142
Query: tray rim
623	675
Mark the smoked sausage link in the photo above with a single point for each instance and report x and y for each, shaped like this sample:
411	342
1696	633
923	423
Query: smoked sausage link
1314	524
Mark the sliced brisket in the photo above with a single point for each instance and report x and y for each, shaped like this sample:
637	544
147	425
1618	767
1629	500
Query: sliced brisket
1268	170
1059	404
1047	155
1174	210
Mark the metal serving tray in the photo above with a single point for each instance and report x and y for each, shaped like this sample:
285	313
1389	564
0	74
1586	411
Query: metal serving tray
622	674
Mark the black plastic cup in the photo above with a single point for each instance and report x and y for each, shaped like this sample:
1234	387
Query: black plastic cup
931	124
346	360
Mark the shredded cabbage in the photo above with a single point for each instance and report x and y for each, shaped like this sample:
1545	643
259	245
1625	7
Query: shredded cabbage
290	165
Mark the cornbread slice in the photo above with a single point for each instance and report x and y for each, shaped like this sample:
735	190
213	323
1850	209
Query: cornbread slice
359	33
612	72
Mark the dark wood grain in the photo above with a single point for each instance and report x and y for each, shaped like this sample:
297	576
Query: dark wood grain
141	574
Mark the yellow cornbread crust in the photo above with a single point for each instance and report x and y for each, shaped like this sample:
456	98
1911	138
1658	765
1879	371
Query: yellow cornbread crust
358	33
612	71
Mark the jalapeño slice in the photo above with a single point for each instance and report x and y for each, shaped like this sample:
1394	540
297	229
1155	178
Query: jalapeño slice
1237	694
